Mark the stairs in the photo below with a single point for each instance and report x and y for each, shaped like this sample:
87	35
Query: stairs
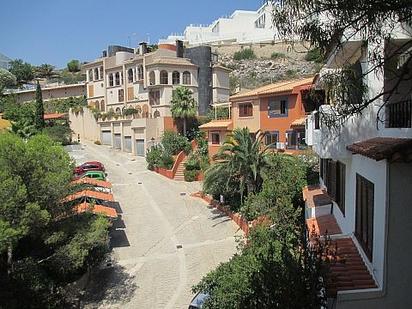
179	176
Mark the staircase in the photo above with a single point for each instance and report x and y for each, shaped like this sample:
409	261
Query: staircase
180	176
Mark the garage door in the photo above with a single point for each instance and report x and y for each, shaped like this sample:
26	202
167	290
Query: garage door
106	137
117	141
140	147
127	144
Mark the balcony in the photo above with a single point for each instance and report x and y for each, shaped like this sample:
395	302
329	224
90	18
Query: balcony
399	114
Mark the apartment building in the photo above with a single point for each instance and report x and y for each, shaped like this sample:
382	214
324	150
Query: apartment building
240	27
364	199
278	110
142	80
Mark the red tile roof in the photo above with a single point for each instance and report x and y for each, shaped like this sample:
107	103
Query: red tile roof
97	209
315	196
380	148
93	182
323	225
53	116
92	194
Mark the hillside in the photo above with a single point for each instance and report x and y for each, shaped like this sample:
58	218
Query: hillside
268	63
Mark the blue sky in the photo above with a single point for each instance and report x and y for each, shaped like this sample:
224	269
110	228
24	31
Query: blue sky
55	31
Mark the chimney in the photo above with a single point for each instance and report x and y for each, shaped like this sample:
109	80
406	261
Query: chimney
179	49
142	48
104	54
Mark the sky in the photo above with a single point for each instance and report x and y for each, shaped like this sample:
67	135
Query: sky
56	31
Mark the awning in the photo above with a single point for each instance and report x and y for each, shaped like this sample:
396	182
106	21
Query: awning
380	148
96	209
217	124
300	122
93	182
91	194
54	116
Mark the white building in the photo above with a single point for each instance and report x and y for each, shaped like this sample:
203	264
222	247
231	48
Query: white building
240	27
364	202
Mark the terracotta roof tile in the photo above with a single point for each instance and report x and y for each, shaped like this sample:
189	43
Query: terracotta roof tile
97	209
54	116
92	194
324	225
93	182
380	148
315	196
217	124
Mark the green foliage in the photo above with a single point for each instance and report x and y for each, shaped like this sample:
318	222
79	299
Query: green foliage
183	105
7	79
244	54
291	73
276	55
192	163
44	71
154	157
59	133
190	175
130	111
68	77
272	271
64	105
234	83
173	143
219	113
166	160
39	111
73	66
315	54
283	181
23	71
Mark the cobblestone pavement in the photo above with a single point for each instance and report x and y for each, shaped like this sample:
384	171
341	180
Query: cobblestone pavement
159	216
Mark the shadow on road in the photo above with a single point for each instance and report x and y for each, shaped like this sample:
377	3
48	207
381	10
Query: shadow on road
118	239
109	286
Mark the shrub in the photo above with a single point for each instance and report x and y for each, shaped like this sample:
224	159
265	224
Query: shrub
192	163
98	142
173	143
315	55
166	160
154	157
244	54
59	133
190	175
276	55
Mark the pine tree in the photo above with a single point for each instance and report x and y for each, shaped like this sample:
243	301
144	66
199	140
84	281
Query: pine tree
39	118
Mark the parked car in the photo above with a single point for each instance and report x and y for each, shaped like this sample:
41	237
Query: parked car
99	175
89	166
198	301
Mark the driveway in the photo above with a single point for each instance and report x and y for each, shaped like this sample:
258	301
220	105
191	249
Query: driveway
164	244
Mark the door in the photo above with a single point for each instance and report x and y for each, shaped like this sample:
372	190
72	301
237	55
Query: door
127	143
117	141
140	147
106	137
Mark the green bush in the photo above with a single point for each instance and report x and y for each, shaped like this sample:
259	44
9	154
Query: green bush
192	163
166	160
190	175
154	157
244	54
315	55
173	143
59	133
276	55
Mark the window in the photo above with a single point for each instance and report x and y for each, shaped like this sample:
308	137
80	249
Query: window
90	75
317	121
187	78
340	186
111	80
140	72
291	139
101	72
176	78
117	78
245	110
333	174
154	97
271	139
121	95
215	138
364	214
277	108
152	78
164	78
102	105
156	114
96	74
130	75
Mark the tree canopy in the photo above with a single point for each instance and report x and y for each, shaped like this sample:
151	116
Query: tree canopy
73	66
23	71
45	71
7	79
183	105
39	114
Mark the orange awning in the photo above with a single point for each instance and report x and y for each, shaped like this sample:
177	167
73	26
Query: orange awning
217	124
300	122
92	194
97	209
93	182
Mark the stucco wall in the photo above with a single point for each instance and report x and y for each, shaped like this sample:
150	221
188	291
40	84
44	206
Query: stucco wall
52	93
84	124
253	122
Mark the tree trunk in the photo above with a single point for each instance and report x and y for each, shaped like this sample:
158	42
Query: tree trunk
184	126
10	259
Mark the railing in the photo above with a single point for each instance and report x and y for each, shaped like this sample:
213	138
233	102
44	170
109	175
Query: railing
399	114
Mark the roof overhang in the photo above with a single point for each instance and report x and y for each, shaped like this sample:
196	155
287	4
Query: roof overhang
217	124
346	54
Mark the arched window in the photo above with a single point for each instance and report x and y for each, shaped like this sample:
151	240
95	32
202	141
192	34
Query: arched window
140	72
152	78
118	111
90	75
164	78
96	104
130	75
187	78
102	108
96	73
145	111
117	77
111	80
176	78
156	114
101	72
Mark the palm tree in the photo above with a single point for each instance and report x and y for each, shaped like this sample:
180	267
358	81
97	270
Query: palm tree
45	70
244	158
183	105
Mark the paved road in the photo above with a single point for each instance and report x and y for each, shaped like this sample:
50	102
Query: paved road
151	271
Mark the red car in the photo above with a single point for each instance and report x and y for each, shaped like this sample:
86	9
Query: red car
89	166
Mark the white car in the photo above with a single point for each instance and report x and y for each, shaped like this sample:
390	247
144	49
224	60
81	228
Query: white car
198	301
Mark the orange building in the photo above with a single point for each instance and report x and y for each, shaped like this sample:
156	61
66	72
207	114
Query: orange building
276	110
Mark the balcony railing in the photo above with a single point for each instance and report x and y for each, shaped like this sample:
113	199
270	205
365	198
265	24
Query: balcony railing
399	114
